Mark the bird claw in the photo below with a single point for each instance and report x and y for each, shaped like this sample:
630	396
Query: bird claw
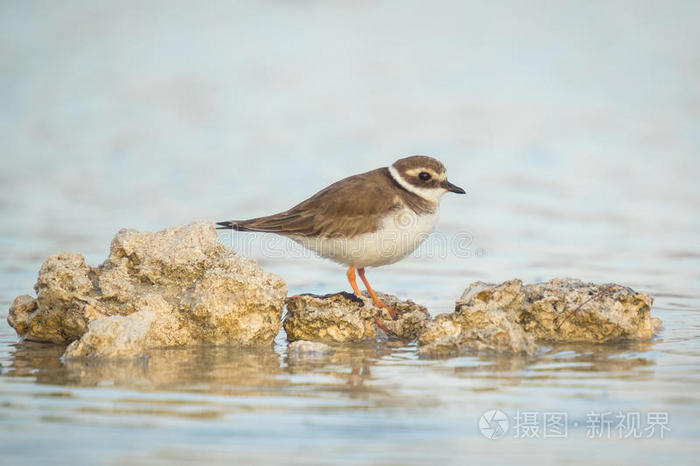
392	313
381	325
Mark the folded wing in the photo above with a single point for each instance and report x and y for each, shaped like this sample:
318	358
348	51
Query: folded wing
349	207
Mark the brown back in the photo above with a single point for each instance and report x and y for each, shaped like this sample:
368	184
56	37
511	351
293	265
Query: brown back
349	207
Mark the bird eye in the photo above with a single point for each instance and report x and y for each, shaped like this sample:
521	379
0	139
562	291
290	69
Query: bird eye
425	176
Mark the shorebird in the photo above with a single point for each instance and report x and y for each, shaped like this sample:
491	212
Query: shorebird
366	220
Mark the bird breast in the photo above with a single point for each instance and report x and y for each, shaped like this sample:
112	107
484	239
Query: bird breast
398	234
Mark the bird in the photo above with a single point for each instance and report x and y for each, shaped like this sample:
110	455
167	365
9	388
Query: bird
370	219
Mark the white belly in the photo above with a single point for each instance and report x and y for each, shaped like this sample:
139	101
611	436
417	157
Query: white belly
399	235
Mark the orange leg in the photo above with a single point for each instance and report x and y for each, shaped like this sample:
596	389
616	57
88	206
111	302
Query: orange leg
377	302
353	282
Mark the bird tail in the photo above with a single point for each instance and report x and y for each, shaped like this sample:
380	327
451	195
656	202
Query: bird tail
233	225
284	223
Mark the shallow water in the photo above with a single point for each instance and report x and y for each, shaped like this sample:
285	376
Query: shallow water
573	128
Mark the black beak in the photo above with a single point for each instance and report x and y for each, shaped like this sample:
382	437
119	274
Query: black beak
452	188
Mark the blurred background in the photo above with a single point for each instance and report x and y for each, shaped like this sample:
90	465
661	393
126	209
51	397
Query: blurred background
574	127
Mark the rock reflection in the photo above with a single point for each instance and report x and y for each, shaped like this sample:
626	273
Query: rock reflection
213	369
348	372
618	360
614	361
350	363
208	369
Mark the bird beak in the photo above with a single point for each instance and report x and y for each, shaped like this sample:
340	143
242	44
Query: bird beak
451	187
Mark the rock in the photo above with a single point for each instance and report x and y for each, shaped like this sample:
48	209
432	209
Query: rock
513	317
344	317
303	352
302	347
126	336
21	313
449	333
66	299
174	287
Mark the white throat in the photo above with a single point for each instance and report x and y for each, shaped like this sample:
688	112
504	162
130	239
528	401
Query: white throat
432	195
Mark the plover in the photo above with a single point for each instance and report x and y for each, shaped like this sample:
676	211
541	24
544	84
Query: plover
367	220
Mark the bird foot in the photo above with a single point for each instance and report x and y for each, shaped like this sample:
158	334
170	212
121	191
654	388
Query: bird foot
380	304
381	325
392	312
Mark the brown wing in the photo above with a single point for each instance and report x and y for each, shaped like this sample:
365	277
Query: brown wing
351	206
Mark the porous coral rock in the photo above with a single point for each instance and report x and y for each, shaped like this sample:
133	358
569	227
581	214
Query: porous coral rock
173	287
